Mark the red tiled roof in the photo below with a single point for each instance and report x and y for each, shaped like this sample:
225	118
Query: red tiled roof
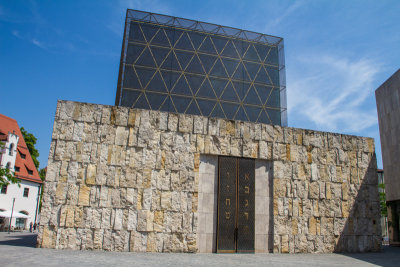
10	125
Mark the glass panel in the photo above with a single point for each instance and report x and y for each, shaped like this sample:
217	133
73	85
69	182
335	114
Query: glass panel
273	100
146	59
129	97
273	74
262	77
219	43
168	106
207	46
155	100
241	89
159	54
229	109
273	57
218	85
262	50
135	33
196	39
161	39
171	63
142	102
149	31
230	51
241	115
252	112
181	103
218	70
157	84
130	78
252	69
252	97
275	116
194	82
206	106
264	118
230	94
206	90
133	52
217	112
181	87
240	73
173	35
184	42
170	78
251	54
263	92
193	109
208	61
195	66
183	58
144	75
241	46
230	65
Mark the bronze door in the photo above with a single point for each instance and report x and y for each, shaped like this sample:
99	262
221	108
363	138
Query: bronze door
236	199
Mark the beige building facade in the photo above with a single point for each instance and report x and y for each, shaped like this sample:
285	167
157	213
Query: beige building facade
123	179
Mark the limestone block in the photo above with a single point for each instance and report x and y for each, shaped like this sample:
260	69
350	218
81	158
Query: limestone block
213	126
147	198
91	174
166	200
313	192
121	136
172	122
145	221
267	132
285	244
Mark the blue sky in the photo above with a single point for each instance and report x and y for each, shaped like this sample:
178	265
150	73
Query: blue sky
337	53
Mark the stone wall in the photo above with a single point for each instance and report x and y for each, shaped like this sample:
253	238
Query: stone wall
128	180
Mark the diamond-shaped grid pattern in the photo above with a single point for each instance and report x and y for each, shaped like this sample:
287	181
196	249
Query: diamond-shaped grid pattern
187	71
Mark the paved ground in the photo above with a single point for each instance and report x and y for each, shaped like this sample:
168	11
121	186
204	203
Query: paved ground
17	249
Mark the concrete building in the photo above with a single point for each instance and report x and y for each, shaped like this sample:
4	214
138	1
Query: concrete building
25	198
173	168
388	105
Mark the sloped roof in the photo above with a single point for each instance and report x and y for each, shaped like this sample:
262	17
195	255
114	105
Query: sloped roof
10	125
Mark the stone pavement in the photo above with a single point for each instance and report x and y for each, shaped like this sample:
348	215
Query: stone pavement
17	249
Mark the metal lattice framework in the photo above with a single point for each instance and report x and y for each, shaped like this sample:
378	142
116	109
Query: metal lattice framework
184	66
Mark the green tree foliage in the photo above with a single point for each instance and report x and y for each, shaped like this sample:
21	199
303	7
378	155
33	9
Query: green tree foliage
6	176
382	200
42	173
30	141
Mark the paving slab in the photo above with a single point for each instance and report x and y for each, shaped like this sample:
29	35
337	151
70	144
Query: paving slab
18	249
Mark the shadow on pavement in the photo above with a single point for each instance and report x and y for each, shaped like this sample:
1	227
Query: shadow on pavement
27	240
389	256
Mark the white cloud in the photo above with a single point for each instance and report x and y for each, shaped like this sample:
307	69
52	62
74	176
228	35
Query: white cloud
288	11
333	94
38	43
34	41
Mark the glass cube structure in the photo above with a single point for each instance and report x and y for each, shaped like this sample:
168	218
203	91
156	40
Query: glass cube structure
191	67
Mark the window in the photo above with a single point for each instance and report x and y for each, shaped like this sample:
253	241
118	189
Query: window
8	165
17	169
30	172
4	189
26	192
20	223
10	152
23	156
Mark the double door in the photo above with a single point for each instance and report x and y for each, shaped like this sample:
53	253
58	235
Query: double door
236	204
